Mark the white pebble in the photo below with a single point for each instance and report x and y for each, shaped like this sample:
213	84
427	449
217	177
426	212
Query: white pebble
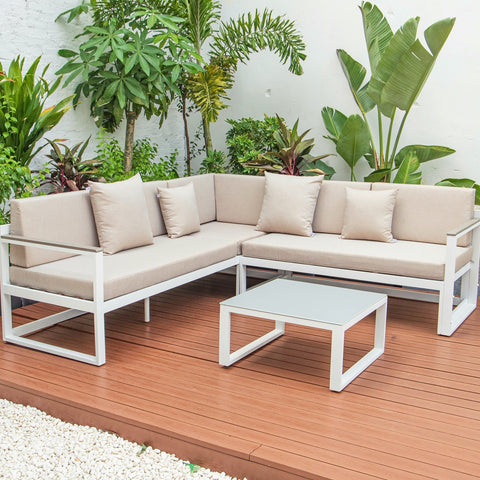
36	446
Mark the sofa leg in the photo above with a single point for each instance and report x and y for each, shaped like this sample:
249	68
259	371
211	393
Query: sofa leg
6	316
241	279
146	309
445	310
99	327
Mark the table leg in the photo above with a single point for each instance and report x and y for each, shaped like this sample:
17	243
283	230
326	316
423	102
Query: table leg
336	359
224	337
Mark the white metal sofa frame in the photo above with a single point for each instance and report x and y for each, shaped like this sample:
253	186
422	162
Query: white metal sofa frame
449	319
78	306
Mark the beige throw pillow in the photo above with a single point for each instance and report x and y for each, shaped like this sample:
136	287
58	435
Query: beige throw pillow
368	214
289	204
120	212
179	210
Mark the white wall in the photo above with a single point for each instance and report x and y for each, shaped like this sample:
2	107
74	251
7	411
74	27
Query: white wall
446	112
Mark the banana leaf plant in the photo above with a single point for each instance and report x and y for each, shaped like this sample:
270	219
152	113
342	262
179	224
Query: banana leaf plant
399	67
293	155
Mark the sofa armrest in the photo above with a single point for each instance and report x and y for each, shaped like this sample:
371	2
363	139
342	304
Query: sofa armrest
65	247
465	228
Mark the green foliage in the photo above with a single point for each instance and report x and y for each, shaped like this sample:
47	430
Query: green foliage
292	154
130	62
260	31
67	171
24	115
247	139
214	162
399	67
228	43
145	160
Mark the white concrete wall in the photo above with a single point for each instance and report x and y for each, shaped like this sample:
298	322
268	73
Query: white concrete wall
446	112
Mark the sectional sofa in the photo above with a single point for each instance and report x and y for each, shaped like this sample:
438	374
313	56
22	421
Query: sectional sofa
99	250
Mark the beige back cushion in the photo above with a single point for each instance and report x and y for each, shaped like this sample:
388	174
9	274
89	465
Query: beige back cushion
239	198
64	218
204	191
368	214
153	206
179	209
289	204
328	217
425	213
120	212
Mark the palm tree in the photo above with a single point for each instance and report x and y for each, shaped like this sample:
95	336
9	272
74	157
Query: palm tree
228	43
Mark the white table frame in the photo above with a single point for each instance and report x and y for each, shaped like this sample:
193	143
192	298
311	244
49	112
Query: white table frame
338	379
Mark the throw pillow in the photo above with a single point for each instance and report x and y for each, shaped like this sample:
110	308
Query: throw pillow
120	213
289	204
368	214
179	210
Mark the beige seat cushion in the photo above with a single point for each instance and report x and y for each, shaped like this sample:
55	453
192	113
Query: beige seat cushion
179	210
141	267
120	213
368	215
204	191
425	213
411	259
239	198
289	204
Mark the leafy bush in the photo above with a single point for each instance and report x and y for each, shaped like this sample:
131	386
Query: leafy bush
23	111
291	155
66	170
15	181
145	160
214	162
247	139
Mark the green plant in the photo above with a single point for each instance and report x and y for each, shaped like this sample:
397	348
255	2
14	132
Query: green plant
66	170
399	66
15	181
228	43
130	63
247	139
24	115
214	162
145	160
292	155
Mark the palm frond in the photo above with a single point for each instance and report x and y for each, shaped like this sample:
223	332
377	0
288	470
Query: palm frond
260	31
207	90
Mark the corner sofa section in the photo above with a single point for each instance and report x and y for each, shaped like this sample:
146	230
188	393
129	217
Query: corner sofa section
55	255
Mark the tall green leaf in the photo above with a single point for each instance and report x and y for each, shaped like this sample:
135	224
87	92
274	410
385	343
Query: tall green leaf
399	46
408	170
400	78
424	153
377	33
334	121
354	141
355	74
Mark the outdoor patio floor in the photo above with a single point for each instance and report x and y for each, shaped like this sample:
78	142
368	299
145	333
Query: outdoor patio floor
413	414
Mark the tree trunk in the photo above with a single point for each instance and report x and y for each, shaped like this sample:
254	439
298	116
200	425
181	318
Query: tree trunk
207	136
129	139
187	136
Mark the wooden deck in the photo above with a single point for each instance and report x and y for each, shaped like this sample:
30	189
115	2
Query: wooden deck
413	414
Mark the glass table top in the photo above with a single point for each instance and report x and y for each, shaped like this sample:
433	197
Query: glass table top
306	300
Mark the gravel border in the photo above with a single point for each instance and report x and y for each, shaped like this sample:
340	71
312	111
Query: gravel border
36	446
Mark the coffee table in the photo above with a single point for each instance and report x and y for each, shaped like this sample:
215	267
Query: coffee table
312	305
